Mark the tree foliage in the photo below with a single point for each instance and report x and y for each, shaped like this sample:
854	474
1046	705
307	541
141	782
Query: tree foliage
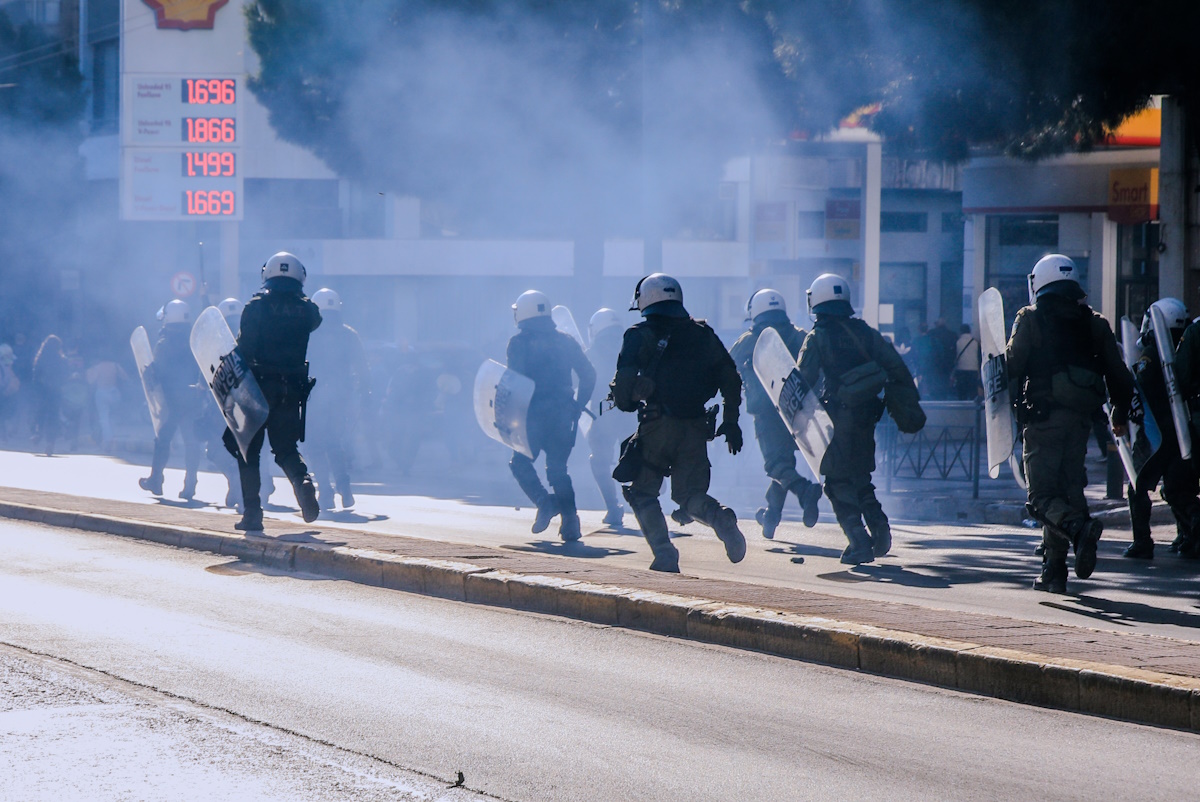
1029	77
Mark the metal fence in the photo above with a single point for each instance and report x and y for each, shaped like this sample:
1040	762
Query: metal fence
947	449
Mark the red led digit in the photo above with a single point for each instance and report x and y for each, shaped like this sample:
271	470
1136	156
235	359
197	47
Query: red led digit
227	163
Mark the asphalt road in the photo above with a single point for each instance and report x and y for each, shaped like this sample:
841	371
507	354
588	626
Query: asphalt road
529	707
972	568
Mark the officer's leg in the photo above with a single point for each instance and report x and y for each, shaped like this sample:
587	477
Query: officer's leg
602	443
845	493
1044	453
192	451
1084	530
162	452
875	519
690	478
558	450
656	450
779	461
769	516
249	477
283	428
1180	490
227	464
1142	547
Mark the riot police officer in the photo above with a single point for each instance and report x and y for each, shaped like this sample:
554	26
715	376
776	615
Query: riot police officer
610	426
338	362
548	356
766	309
1180	486
669	367
273	340
1063	363
176	372
857	364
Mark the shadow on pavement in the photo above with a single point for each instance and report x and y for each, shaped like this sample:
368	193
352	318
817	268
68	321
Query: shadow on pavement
575	549
309	536
804	549
1127	613
887	574
351	517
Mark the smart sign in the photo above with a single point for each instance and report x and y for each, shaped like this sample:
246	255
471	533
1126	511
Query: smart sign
181	150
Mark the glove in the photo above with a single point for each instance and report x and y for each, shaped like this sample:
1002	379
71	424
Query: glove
733	435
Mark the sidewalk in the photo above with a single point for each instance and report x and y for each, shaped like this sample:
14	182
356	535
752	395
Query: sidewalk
1140	677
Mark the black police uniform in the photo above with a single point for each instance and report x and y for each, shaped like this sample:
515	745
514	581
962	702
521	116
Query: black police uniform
176	371
774	440
669	367
338	361
610	426
1180	485
1062	360
273	341
838	344
546	355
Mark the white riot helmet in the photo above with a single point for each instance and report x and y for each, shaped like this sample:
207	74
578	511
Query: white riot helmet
285	265
176	312
825	288
603	319
1049	270
765	300
655	288
531	304
327	300
230	307
1173	311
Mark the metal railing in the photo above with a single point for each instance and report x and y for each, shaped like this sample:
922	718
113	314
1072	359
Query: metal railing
947	449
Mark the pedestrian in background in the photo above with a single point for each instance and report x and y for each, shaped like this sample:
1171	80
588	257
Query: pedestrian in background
105	377
50	373
966	366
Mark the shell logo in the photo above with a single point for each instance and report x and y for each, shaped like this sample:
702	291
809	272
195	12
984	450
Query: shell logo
185	15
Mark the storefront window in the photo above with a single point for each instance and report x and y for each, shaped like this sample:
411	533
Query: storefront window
1137	269
902	284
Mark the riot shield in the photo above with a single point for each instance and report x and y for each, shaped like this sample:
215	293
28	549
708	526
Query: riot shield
1142	438
564	321
233	386
143	355
1166	354
798	405
502	405
998	411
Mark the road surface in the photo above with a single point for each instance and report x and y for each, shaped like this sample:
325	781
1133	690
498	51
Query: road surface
536	708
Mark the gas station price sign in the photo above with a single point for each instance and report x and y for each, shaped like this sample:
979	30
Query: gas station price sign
181	149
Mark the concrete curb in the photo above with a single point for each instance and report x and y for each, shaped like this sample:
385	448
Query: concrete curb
1093	688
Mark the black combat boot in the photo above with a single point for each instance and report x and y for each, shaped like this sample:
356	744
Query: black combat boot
306	497
568	528
1053	578
252	521
152	484
653	524
1085	538
768	521
1140	549
189	488
547	508
860	550
809	497
724	522
615	517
